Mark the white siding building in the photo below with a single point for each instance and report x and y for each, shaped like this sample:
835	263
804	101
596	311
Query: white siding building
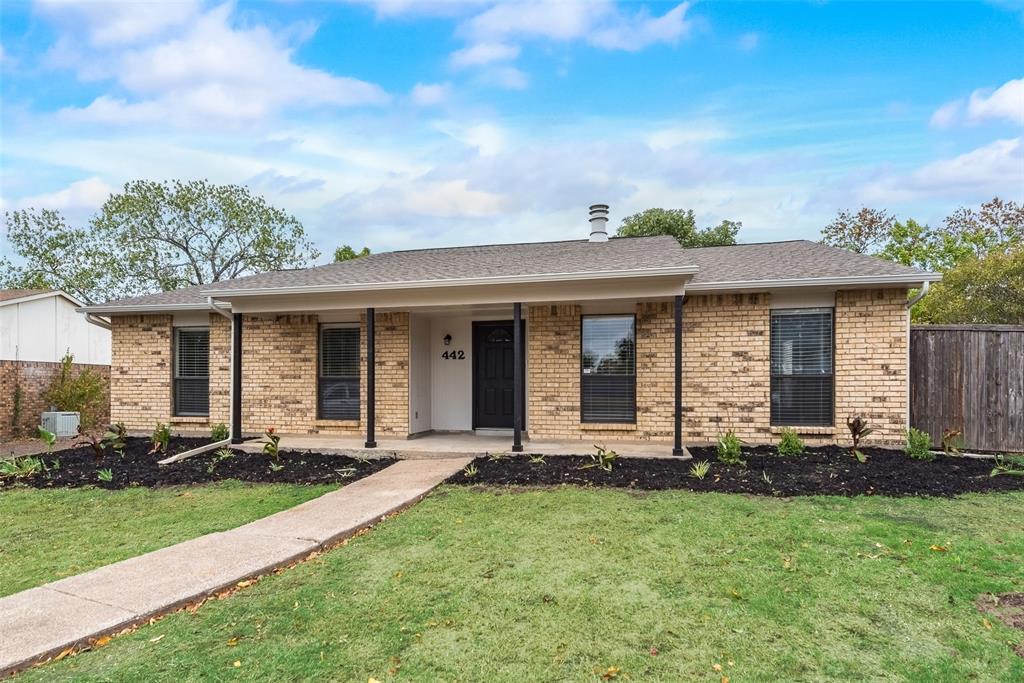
42	326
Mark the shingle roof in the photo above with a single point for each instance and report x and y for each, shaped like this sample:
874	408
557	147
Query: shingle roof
748	263
8	294
798	259
493	260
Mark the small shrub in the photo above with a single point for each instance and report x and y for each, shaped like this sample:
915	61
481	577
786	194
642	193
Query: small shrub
220	455
603	458
105	475
271	445
84	392
859	429
48	438
219	432
919	445
160	438
97	444
19	468
1009	464
115	436
730	449
700	469
470	470
952	441
790	443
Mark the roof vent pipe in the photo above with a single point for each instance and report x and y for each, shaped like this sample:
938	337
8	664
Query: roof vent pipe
598	222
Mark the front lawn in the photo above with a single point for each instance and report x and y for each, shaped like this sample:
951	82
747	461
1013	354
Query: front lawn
50	534
572	583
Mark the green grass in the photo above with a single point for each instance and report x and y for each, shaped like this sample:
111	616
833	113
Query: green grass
49	534
560	584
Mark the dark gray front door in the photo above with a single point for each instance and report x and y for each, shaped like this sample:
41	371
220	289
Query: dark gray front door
493	391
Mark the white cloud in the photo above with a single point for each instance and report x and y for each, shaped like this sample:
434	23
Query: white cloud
993	169
985	104
482	53
641	30
211	72
674	136
430	94
119	23
88	194
508	77
749	41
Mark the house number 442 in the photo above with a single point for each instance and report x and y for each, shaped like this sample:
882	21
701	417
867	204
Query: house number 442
454	355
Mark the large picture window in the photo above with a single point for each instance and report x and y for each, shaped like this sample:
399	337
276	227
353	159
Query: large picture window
338	381
608	369
191	371
801	362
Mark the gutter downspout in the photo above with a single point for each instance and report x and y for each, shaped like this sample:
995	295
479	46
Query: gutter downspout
910	304
98	322
231	394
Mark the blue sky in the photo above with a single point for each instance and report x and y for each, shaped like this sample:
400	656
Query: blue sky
400	124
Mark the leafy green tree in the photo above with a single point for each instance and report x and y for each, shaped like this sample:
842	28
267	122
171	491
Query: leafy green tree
863	232
347	253
155	236
987	290
681	224
911	244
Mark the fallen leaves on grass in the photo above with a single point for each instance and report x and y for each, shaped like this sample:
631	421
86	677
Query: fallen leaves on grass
610	673
157	639
938	548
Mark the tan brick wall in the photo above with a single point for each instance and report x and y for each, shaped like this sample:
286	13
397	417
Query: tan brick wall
871	361
553	366
279	372
726	375
32	379
220	369
140	370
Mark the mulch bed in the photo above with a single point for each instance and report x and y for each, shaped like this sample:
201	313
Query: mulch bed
79	467
828	470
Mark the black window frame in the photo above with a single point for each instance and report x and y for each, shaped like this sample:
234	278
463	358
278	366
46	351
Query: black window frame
593	378
823	416
327	382
179	381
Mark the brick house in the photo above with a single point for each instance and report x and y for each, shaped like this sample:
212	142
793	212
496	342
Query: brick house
597	339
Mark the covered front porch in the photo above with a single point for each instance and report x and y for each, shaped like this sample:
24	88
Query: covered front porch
447	445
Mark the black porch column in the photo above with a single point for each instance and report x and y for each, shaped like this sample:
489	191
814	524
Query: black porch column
677	448
371	398
517	378
236	378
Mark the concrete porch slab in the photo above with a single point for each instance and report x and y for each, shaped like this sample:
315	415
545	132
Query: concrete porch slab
461	445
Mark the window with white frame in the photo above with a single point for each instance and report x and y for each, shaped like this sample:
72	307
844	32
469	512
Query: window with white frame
608	369
802	367
191	371
338	374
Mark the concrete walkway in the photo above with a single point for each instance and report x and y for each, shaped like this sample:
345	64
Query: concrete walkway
41	622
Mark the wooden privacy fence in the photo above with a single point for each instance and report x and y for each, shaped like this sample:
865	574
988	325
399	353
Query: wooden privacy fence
969	378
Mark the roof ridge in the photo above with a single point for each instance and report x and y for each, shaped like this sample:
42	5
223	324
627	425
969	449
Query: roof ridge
511	244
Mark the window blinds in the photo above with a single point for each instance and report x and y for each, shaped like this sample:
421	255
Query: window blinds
801	367
338	382
191	371
608	369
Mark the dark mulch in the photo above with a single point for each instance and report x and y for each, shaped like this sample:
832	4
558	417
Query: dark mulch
828	470
79	466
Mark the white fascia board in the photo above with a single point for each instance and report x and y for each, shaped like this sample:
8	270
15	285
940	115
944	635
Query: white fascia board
44	295
457	282
852	280
101	309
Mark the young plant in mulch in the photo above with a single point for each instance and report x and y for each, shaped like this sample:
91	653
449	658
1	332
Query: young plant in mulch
115	438
952	441
160	439
221	455
271	448
21	468
859	429
470	471
730	449
1009	464
97	444
790	443
919	445
106	475
219	432
48	438
603	458
699	470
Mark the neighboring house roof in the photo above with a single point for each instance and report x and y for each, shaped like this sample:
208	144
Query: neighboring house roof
17	296
771	264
